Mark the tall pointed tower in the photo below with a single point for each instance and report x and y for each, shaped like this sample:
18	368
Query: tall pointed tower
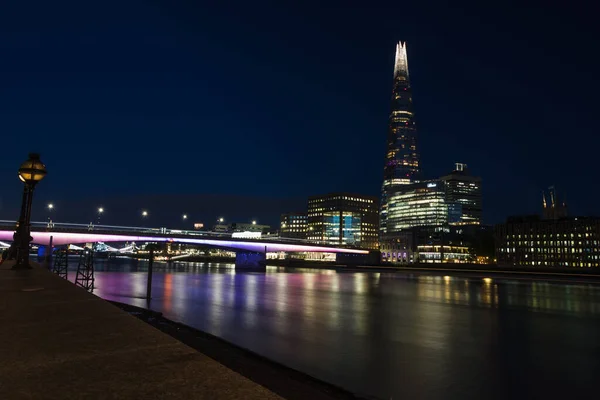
402	165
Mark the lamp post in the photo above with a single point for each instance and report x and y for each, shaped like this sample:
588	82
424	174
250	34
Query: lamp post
50	208
30	173
100	211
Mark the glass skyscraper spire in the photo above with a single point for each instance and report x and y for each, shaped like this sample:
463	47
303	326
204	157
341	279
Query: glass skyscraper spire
402	164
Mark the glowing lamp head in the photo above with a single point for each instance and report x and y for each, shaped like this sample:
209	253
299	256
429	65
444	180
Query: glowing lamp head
253	222
184	216
33	170
100	210
144	213
50	206
221	220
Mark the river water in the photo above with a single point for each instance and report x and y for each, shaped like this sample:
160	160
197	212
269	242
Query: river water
387	335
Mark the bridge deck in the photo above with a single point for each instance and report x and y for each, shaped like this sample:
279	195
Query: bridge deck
74	234
60	342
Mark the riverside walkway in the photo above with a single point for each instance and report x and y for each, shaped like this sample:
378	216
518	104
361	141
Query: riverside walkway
58	341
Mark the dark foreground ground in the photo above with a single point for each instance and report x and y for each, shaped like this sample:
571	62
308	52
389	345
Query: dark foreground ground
57	341
284	381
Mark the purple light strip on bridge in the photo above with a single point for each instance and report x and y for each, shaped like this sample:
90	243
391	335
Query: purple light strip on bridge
62	238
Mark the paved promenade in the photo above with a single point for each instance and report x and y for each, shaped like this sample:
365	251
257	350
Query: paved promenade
59	342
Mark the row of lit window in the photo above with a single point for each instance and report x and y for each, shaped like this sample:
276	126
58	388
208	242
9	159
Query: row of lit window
554	243
566	264
315	211
551	235
563	256
341	198
546	250
537	227
294	221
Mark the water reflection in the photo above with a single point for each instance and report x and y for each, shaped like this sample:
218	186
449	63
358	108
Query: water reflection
385	334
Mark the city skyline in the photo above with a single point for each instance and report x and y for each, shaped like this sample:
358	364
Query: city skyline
239	200
175	102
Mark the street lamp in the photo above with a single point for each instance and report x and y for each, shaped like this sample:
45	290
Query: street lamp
253	222
184	217
100	211
30	173
221	220
144	214
50	208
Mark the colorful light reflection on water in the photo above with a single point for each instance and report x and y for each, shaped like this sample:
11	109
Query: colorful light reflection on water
386	334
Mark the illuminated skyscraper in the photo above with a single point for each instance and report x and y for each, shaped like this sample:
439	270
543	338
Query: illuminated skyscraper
402	164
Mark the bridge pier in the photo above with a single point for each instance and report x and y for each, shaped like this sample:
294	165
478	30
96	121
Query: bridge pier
250	261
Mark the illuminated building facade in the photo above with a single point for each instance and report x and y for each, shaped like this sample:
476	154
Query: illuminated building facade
293	225
443	244
530	241
343	219
402	165
463	196
429	244
434	205
418	204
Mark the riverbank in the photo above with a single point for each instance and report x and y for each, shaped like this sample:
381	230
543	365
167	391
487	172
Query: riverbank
286	382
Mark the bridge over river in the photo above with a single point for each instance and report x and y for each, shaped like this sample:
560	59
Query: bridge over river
249	251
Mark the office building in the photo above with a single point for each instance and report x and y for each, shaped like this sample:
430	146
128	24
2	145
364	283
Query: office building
554	240
530	241
435	221
402	164
343	219
463	196
293	225
429	244
417	204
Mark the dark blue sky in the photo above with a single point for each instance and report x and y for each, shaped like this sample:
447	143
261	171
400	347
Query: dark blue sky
209	107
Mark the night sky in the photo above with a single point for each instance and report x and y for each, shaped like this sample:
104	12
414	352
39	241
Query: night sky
243	109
